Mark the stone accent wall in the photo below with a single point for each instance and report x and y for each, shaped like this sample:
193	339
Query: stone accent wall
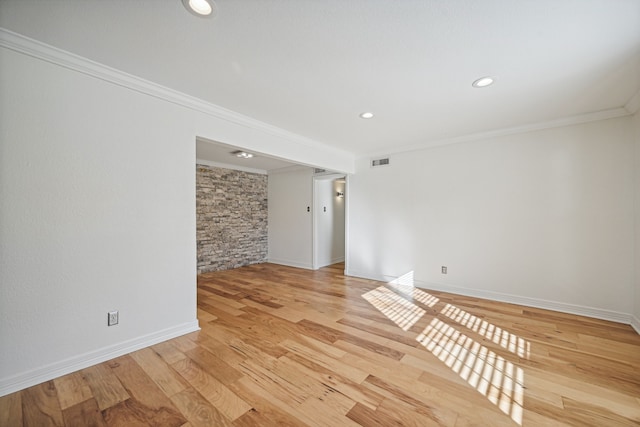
231	218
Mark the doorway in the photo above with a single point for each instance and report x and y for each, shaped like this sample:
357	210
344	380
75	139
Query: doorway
329	213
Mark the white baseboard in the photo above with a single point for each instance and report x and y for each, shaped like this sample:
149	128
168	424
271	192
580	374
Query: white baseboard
597	313
635	323
75	363
361	275
328	263
288	263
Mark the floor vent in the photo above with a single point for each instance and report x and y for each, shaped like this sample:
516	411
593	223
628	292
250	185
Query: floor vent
380	162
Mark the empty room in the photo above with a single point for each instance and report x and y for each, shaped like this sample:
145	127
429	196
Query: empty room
319	213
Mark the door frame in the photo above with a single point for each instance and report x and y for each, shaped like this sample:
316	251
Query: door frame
314	215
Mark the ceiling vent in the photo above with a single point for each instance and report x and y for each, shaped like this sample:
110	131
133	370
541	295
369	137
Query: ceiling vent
316	170
380	162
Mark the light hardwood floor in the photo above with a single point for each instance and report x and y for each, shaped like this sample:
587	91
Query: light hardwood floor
281	346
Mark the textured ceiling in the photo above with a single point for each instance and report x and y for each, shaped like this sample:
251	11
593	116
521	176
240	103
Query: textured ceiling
311	66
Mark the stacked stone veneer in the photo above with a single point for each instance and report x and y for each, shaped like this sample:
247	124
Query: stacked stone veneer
231	210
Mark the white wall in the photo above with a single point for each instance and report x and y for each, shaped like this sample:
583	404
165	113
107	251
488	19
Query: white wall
545	216
636	320
97	214
290	225
97	208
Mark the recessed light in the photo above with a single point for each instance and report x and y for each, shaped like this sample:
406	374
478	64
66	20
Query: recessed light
366	115
483	82
242	154
202	8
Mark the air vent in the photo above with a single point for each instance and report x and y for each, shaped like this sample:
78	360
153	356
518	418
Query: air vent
380	162
319	170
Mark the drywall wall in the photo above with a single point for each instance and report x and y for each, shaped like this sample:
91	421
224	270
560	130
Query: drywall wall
290	218
231	218
543	218
329	221
636	126
97	214
97	208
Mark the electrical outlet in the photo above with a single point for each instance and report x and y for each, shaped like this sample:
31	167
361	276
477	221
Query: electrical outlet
444	269
112	318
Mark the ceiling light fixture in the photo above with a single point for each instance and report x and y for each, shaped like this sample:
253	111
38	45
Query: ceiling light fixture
201	8
366	115
483	82
242	154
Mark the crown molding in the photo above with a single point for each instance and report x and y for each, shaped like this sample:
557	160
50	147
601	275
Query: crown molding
36	49
567	121
634	104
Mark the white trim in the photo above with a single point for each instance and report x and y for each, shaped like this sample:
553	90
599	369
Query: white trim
45	373
597	313
581	310
53	55
314	221
634	104
567	121
635	323
347	198
229	166
288	263
362	275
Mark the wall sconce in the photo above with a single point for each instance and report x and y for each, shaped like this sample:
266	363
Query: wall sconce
340	194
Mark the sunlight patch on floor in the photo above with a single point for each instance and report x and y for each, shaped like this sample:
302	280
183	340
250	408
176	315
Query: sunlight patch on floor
404	280
493	376
504	339
405	285
400	311
499	380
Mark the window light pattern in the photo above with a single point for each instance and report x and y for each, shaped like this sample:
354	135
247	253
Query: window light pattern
493	376
504	339
400	311
404	280
404	285
499	380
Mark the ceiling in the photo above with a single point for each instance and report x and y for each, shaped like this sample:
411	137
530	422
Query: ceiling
223	155
311	67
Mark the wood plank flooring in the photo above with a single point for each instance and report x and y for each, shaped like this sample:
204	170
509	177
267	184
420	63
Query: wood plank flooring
281	346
